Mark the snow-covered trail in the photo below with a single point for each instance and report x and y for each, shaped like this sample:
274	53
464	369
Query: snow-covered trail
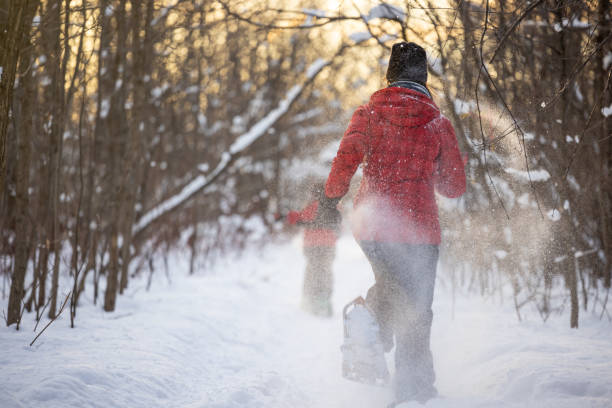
236	337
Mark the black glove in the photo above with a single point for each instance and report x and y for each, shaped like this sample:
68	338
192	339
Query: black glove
328	216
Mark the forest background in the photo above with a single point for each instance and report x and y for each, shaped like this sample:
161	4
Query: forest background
129	128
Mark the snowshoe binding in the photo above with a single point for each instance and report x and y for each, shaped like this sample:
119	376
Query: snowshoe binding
363	356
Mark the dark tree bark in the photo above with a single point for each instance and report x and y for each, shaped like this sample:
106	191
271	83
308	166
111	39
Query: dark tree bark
57	66
603	75
16	40
15	27
117	124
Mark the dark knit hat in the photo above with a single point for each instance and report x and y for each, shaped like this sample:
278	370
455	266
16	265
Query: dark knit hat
408	62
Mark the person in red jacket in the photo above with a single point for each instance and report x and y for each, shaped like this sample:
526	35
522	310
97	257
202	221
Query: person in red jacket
319	250
408	150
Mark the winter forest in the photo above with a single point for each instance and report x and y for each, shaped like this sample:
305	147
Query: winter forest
151	151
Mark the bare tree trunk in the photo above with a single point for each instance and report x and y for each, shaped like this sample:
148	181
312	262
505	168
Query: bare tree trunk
41	271
32	299
572	283
117	126
75	247
75	265
91	222
563	43
605	173
14	29
140	22
22	199
110	295
57	130
24	139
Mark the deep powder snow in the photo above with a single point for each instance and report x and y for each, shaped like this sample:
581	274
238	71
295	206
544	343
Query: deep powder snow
236	337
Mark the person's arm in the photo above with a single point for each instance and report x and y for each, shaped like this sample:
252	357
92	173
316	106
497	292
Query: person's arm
293	217
449	175
349	156
307	215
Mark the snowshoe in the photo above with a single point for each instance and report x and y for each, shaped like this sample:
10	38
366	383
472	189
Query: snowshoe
363	356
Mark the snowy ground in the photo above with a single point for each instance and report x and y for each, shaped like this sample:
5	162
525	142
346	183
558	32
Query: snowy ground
236	337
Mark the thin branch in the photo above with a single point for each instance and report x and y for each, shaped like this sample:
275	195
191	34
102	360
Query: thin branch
23	308
579	67
248	20
507	108
367	24
484	142
452	27
42	314
584	130
52	320
513	27
604	305
201	182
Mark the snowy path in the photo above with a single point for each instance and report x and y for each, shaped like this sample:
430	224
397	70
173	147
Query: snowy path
237	338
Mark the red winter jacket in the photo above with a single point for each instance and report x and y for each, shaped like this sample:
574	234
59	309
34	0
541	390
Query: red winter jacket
408	148
312	237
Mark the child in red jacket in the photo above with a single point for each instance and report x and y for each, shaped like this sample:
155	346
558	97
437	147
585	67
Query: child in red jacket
319	250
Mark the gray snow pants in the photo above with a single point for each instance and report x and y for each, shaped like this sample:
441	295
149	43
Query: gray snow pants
318	277
401	300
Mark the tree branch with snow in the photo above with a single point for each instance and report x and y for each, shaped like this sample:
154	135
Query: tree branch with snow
202	181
